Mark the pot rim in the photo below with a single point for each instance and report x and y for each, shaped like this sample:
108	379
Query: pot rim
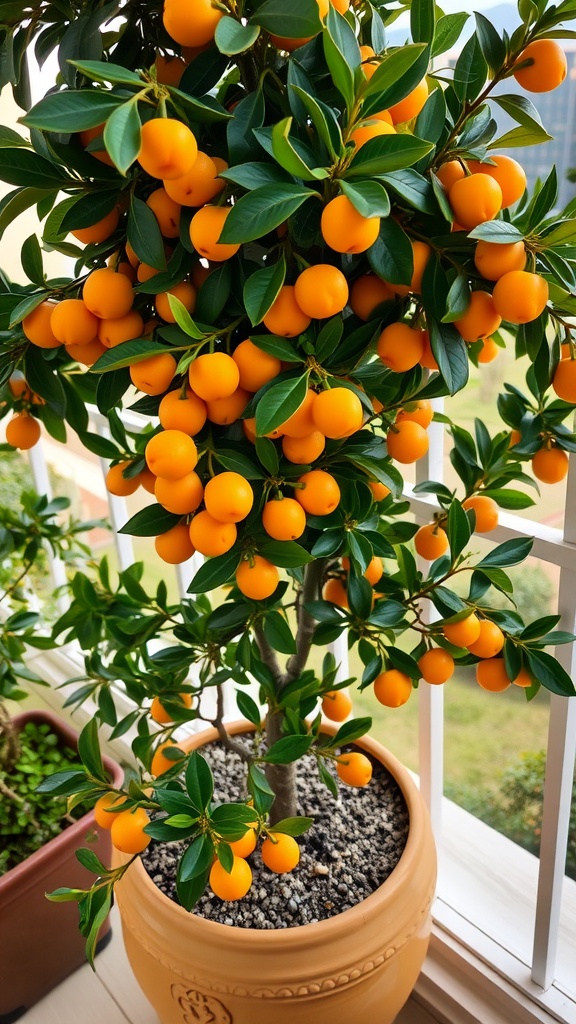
306	934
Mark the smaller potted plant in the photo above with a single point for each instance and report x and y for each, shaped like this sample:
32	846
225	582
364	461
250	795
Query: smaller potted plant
40	835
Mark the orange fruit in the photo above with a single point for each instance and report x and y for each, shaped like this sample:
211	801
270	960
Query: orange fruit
337	412
168	148
428	359
400	347
366	130
184	291
490	642
191	24
169	69
420	412
431	542
211	537
127	831
411	105
284	519
103	813
320	494
108	294
491	675
407	442
564	380
464	632
115	331
22	431
154	375
175	545
245	846
255	366
321	291
379	490
489	351
548	69
550	465
301	423
214	375
493	261
342	227
368	66
177	412
147	480
436	666
86	354
523	679
335	592
159	713
509	174
161	763
280	852
228	410
374	570
303	450
249	429
354	769
450	172
285	318
336	705
233	885
37	326
171	454
199	185
520	297
367	293
257	579
167	212
480	319
179	496
392	688
206	227
486	511
119	484
100	231
228	497
475	199
100	153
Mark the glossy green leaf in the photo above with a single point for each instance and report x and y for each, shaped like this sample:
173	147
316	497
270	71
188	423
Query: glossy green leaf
122	137
262	210
387	153
149	522
261	290
369	198
233	37
282	400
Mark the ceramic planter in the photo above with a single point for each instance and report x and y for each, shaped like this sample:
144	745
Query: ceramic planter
40	943
361	964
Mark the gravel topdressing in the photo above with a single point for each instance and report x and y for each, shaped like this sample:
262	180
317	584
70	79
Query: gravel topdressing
352	847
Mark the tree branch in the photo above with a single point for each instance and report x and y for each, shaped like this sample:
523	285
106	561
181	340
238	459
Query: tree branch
268	654
313	575
227	741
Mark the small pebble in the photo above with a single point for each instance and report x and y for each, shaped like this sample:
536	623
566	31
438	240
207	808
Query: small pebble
353	845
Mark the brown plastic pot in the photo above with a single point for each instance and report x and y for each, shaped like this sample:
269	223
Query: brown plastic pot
362	964
40	943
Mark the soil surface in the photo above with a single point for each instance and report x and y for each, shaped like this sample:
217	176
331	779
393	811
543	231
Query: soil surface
352	847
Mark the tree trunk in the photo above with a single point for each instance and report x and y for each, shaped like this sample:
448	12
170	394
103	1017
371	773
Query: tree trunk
282	777
9	741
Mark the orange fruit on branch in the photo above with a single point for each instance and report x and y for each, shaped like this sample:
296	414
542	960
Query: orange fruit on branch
280	852
255	367
199	185
336	705
486	512
23	431
407	442
520	297
475	199
119	484
228	497
108	294
354	769
464	632
509	174
343	228
206	226
211	537
37	326
491	675
490	641
171	454
321	291
431	542
214	375
168	148
257	578
480	319
233	885
367	293
191	24
284	519
285	318
154	376
493	260
177	412
392	688
337	412
550	465
320	494
179	496
175	545
127	831
436	666
400	347
548	67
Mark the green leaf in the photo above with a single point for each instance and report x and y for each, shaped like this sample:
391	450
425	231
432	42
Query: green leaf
278	633
253	174
322	118
127	353
368	197
450	353
289	749
458	298
470	72
215	572
26	306
550	673
279	402
150	521
232	36
103	71
183	318
123	139
391	256
239	463
492	46
521	137
351	731
511	552
190	892
87	210
387	153
422	21
89	751
498	231
505	497
74	110
197	859
286	554
448	31
145	236
205	110
287	156
293	826
396	76
248	115
10	139
262	288
199	781
413	187
31	259
248	707
15	203
263	210
299	18
23	167
458	529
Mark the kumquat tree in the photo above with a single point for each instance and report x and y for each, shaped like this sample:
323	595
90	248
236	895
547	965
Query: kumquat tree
286	240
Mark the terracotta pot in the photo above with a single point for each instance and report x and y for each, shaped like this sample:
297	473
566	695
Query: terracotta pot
40	943
364	962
